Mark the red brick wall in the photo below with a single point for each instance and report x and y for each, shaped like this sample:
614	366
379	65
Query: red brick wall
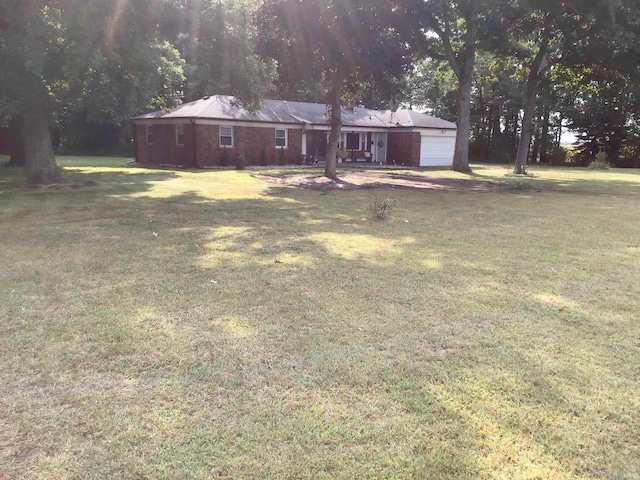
202	146
164	150
248	142
5	142
404	148
140	142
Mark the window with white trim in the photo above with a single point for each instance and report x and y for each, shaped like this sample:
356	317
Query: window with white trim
281	138
353	141
226	137
149	134
180	135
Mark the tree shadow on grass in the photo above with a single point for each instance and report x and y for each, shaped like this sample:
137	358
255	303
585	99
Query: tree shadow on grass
226	326
249	248
580	181
368	179
233	284
78	179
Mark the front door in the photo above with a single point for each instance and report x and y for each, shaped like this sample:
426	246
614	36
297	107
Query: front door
317	145
381	148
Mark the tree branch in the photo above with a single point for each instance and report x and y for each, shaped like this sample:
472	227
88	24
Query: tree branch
448	48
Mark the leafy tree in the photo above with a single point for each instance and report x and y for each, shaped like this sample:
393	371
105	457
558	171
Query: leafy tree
57	57
495	105
503	54
604	84
543	55
24	38
335	49
217	40
431	85
452	31
604	112
541	34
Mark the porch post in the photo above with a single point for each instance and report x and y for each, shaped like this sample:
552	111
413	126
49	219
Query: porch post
304	142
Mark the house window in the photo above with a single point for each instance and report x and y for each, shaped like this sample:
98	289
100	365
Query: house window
149	133
281	138
226	137
353	141
180	135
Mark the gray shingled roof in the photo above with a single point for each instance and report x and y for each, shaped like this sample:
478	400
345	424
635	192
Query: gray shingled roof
224	107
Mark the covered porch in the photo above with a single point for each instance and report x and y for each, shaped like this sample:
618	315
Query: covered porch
355	146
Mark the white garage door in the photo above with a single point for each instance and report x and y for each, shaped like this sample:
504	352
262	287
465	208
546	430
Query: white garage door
436	151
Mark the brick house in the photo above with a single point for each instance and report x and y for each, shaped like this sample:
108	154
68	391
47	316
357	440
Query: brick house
215	131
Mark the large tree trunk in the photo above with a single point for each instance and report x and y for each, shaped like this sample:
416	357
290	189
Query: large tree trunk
495	126
530	106
558	139
544	138
17	157
336	127
527	124
463	133
536	138
40	163
463	65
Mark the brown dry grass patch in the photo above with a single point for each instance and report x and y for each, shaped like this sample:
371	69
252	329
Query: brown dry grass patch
377	179
203	325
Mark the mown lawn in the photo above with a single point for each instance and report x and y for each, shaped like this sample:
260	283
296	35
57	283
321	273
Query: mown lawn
177	325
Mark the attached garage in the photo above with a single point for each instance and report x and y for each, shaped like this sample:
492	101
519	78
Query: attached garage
436	150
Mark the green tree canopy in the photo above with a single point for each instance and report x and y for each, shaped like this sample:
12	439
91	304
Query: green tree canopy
59	56
453	31
217	40
333	49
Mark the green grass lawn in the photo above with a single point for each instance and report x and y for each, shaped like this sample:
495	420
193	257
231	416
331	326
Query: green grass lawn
178	325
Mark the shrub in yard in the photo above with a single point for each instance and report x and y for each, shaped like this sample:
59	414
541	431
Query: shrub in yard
240	162
224	160
281	159
263	158
382	205
600	163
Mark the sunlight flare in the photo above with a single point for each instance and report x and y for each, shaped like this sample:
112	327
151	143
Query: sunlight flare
113	21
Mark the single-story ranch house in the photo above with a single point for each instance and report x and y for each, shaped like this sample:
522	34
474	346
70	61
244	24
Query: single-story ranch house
216	131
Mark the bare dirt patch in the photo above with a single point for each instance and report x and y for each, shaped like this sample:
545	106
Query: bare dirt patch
358	180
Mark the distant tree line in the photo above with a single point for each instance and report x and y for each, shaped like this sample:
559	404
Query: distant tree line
512	73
